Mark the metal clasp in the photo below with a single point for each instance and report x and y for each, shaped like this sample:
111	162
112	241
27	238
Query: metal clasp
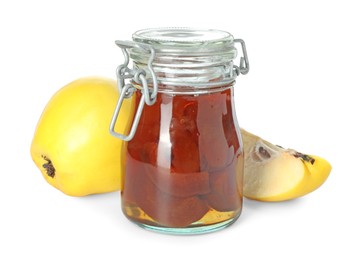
124	73
244	61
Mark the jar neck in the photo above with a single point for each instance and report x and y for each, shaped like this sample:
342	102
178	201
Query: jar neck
190	90
190	79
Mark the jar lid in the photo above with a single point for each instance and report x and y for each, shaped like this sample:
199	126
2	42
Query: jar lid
185	39
185	57
187	48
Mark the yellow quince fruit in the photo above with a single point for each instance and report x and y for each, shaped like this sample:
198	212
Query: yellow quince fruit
273	173
72	145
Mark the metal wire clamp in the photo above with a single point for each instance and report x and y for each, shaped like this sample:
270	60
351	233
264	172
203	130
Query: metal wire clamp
124	73
244	61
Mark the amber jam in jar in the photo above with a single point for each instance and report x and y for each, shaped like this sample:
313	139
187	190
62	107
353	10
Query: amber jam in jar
184	163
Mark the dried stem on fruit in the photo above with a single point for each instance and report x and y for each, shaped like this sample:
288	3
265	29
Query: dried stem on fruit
50	169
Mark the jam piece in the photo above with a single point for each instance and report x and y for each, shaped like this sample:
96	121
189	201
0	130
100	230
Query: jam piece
168	210
184	136
133	180
185	157
212	138
179	185
225	193
229	125
149	127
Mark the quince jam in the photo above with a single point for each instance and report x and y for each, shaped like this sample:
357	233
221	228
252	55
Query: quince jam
184	165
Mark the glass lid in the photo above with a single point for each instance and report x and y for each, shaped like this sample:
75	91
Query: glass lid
167	39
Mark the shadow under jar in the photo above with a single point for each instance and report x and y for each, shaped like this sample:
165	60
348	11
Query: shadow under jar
184	161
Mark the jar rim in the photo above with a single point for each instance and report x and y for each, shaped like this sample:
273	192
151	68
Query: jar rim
184	39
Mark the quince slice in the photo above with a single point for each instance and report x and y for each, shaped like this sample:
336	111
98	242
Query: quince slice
273	173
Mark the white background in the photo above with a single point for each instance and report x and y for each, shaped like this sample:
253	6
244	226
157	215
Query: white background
300	93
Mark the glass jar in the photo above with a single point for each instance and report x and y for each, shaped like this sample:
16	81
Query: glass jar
184	161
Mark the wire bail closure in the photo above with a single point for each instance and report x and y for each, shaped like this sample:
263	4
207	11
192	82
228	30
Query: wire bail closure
244	61
149	96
